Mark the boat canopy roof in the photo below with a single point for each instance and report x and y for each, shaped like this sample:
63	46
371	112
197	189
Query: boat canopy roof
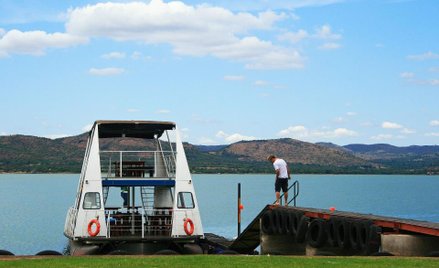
133	129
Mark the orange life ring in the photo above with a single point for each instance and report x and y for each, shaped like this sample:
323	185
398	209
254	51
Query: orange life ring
98	227
188	230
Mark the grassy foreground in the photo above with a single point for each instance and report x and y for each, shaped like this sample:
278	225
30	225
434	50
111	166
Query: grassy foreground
216	261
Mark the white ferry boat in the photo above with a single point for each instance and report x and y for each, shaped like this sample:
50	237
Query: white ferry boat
134	201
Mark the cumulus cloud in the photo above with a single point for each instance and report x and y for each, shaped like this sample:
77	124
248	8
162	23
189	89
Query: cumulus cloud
190	30
425	56
114	55
301	132
232	138
106	71
294	37
391	125
434	123
323	33
36	42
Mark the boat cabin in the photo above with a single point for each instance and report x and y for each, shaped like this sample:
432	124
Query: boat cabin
135	185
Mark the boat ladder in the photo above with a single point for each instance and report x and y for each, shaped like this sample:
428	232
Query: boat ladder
147	194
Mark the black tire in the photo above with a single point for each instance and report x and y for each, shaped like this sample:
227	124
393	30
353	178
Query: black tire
317	235
325	253
291	219
192	249
342	233
277	221
382	254
302	229
297	215
228	252
4	252
267	222
373	240
166	252
354	236
48	253
433	254
286	222
332	231
118	252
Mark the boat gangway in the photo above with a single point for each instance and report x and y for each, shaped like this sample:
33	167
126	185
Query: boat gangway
293	230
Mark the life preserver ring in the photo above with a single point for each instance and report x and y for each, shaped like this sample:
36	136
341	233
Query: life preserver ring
189	226
90	225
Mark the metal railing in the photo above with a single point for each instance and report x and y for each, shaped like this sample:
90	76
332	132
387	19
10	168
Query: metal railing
142	223
137	164
295	191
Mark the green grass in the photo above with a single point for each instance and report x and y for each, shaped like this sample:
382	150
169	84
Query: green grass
216	261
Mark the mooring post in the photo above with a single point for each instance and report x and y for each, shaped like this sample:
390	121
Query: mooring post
239	209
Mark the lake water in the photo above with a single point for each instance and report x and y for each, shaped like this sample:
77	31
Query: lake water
33	207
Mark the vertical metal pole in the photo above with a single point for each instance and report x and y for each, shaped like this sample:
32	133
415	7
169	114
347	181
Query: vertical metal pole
133	207
239	209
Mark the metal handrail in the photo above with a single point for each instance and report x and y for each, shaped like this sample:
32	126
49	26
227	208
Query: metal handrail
295	187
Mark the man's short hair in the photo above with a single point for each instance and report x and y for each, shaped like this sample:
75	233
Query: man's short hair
270	157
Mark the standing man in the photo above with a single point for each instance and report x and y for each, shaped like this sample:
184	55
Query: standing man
282	175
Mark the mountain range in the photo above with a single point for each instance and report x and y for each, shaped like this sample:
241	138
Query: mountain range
30	154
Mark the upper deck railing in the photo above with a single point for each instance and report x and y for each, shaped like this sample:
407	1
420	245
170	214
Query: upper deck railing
137	164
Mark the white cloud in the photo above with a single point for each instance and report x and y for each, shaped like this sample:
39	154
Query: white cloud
425	56
391	125
133	110
351	113
382	137
301	132
114	55
434	69
339	119
432	134
234	77
294	37
407	75
325	32
35	42
329	46
106	71
261	83
434	123
190	30
232	138
275	4
408	131
163	111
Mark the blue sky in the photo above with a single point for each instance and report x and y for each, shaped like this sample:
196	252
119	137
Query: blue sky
314	70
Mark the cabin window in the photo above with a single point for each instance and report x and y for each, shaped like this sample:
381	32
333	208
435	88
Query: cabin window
185	200
92	201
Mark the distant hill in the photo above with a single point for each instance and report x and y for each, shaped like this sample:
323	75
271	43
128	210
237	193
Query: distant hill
30	154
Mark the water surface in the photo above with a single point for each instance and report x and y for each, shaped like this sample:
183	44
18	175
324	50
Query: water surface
33	207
